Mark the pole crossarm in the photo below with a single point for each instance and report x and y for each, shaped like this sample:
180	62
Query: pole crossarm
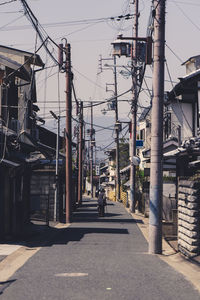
138	39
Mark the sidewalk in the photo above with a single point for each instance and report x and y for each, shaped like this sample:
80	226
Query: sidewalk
100	258
190	268
33	232
15	253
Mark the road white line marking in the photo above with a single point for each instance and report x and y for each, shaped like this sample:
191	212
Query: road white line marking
71	274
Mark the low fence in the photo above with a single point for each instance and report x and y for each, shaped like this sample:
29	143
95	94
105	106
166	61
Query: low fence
123	196
111	195
189	217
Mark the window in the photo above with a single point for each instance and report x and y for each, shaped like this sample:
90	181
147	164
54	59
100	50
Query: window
167	125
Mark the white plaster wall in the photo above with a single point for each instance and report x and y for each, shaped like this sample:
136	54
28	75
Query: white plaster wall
182	115
187	130
147	141
169	189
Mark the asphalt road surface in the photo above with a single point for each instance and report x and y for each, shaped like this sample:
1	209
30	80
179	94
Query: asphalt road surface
97	258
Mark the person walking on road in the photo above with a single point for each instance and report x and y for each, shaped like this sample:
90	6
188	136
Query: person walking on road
101	203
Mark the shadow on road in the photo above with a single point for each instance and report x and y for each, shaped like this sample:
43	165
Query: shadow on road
40	235
5	284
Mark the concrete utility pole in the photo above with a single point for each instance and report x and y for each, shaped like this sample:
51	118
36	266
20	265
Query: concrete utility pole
68	132
134	110
117	133
91	151
80	152
156	173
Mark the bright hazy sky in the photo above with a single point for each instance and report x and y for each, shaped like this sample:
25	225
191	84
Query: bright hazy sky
89	40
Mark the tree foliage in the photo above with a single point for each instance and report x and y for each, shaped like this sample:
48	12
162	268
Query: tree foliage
123	153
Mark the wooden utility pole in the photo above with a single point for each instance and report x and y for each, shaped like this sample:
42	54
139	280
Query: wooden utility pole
91	151
117	124
77	166
156	173
68	133
117	133
80	153
134	110
56	194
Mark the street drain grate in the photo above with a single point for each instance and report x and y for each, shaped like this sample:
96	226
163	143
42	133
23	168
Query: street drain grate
71	274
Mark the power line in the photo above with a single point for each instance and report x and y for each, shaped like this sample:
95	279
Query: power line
81	29
11	22
102	127
101	149
10	12
189	19
7	2
88	123
88	79
183	2
174	53
110	99
38	28
114	140
72	23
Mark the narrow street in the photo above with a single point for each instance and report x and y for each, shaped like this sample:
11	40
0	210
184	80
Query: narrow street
97	258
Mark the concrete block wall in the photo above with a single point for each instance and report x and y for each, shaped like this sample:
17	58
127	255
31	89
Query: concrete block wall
189	217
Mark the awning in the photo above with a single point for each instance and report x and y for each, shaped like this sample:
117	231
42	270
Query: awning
127	183
104	167
125	169
195	163
111	182
174	152
103	176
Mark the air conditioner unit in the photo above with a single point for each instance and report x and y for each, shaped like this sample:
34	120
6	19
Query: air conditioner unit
15	125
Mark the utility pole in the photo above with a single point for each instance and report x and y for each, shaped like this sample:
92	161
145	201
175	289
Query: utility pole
156	173
57	118
91	151
77	167
118	182
117	133
68	132
134	110
80	153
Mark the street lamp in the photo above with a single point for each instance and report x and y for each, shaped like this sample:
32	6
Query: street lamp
57	118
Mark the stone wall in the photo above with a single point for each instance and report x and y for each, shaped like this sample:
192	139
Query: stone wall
189	217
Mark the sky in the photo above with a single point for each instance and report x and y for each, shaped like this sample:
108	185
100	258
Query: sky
87	27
